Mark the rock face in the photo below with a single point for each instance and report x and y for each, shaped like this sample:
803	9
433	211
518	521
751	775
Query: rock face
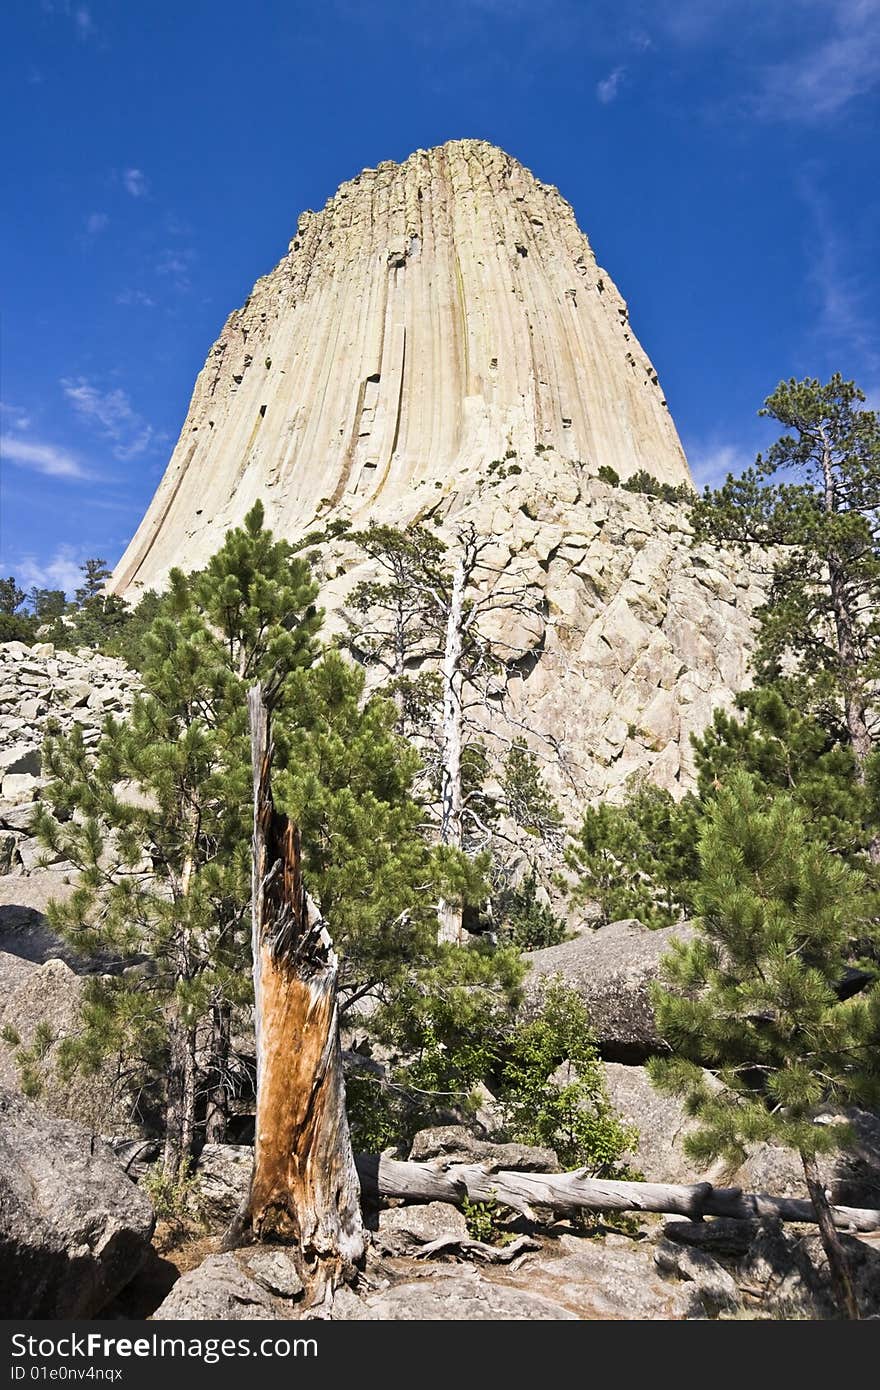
612	969
224	1173
74	1229
440	346
852	1177
433	315
37	684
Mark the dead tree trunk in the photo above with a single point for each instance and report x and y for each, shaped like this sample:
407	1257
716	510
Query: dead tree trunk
217	1099
450	912
304	1186
838	1269
451	799
180	1098
569	1193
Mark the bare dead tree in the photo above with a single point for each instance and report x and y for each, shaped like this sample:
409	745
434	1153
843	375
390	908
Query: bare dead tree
304	1188
423	611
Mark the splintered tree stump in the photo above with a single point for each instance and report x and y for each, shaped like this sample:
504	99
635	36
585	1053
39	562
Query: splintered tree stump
304	1187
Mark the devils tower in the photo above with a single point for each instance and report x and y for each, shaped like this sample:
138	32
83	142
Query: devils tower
434	315
439	346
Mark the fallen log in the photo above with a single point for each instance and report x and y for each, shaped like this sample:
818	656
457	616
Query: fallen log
565	1194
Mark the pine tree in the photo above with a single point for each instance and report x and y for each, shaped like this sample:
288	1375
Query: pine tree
158	822
95	573
47	604
755	995
12	596
786	749
637	859
399	614
15	625
347	779
820	524
431	603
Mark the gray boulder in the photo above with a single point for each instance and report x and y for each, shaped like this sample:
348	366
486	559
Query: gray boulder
242	1285
458	1145
780	1271
50	996
403	1229
611	1278
451	1294
717	1287
611	969
74	1229
853	1176
224	1174
660	1120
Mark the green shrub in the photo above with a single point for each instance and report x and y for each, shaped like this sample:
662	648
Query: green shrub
524	921
484	1222
646	483
570	1114
175	1199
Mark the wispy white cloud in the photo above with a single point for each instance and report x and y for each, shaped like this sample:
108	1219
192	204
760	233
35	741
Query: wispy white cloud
131	297
822	77
112	413
608	88
798	61
80	16
135	182
61	571
175	263
844	323
15	417
83	22
96	222
39	456
710	462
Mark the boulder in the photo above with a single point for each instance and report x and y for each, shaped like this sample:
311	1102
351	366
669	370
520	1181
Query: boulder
241	1285
223	1175
20	758
24	930
660	1120
454	1294
402	1229
717	1287
50	996
853	1176
781	1271
458	1145
606	1279
611	969
20	786
74	1229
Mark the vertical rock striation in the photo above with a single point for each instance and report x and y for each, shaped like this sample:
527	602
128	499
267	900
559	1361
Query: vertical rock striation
435	314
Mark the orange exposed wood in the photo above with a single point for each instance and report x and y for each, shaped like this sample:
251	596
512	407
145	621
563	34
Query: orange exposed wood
305	1187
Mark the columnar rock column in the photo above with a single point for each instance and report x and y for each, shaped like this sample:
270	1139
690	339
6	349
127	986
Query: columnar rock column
435	314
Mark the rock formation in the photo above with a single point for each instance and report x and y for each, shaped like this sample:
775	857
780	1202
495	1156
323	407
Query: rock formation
440	346
74	1229
39	684
434	315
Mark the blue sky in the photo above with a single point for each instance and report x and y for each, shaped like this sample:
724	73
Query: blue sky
722	156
